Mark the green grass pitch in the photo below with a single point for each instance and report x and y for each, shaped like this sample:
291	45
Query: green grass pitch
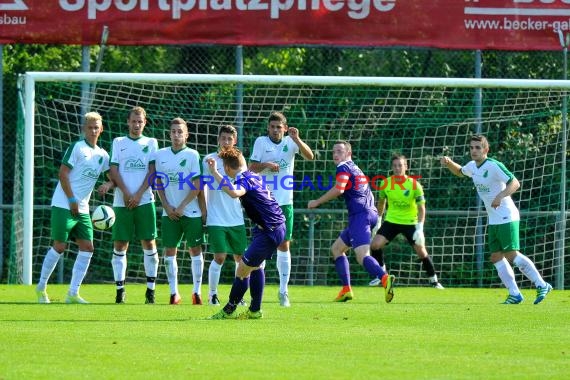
423	334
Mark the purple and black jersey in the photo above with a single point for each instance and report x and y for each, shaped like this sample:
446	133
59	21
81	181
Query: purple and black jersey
357	195
258	203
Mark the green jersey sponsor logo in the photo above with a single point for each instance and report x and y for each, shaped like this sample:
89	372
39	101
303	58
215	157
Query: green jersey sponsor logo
283	165
174	177
133	164
482	188
90	173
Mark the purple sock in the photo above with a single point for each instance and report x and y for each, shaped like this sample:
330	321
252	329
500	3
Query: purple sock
343	269
239	287
372	267
256	285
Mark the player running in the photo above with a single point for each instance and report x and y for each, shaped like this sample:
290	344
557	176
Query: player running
362	217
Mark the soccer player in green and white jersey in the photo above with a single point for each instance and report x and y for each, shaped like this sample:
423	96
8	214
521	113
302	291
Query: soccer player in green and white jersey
273	157
178	170
495	185
82	163
133	202
406	212
225	222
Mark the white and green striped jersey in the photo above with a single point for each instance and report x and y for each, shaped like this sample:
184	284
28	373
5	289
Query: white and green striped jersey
490	178
223	210
281	183
132	157
181	167
86	163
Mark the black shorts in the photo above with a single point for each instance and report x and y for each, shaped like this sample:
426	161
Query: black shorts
391	230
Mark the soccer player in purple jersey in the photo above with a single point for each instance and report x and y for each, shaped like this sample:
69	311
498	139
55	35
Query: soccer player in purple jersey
268	231
352	184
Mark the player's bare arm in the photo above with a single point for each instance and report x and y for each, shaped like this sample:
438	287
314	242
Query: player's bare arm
136	197
421	212
168	208
304	149
105	187
118	181
381	206
202	205
453	167
232	192
189	197
66	186
511	188
334	192
258	167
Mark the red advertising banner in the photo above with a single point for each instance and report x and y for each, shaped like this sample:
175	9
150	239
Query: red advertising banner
452	24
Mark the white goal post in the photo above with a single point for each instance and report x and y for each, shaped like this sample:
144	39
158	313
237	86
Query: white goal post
397	98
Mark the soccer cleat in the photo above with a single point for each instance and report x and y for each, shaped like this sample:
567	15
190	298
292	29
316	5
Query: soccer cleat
75	299
248	314
175	299
196	299
149	296
242	302
214	300
42	296
120	297
541	292
284	300
513	300
375	282
344	295
223	315
436	285
388	285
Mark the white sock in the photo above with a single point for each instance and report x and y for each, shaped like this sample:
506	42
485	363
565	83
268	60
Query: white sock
284	269
50	261
507	276
527	267
79	271
171	266
197	269
433	279
214	277
119	263
150	267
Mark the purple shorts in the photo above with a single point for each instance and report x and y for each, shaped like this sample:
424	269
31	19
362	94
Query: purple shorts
263	245
359	228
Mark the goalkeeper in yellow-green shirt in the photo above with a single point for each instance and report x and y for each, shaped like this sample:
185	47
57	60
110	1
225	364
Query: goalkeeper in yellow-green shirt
405	215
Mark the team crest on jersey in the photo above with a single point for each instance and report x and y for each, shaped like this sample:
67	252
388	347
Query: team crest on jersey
145	149
183	163
485	174
406	193
100	160
285	148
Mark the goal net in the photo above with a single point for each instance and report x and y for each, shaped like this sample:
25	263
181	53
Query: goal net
421	118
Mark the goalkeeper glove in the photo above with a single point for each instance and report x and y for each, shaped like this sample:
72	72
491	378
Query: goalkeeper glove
418	236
